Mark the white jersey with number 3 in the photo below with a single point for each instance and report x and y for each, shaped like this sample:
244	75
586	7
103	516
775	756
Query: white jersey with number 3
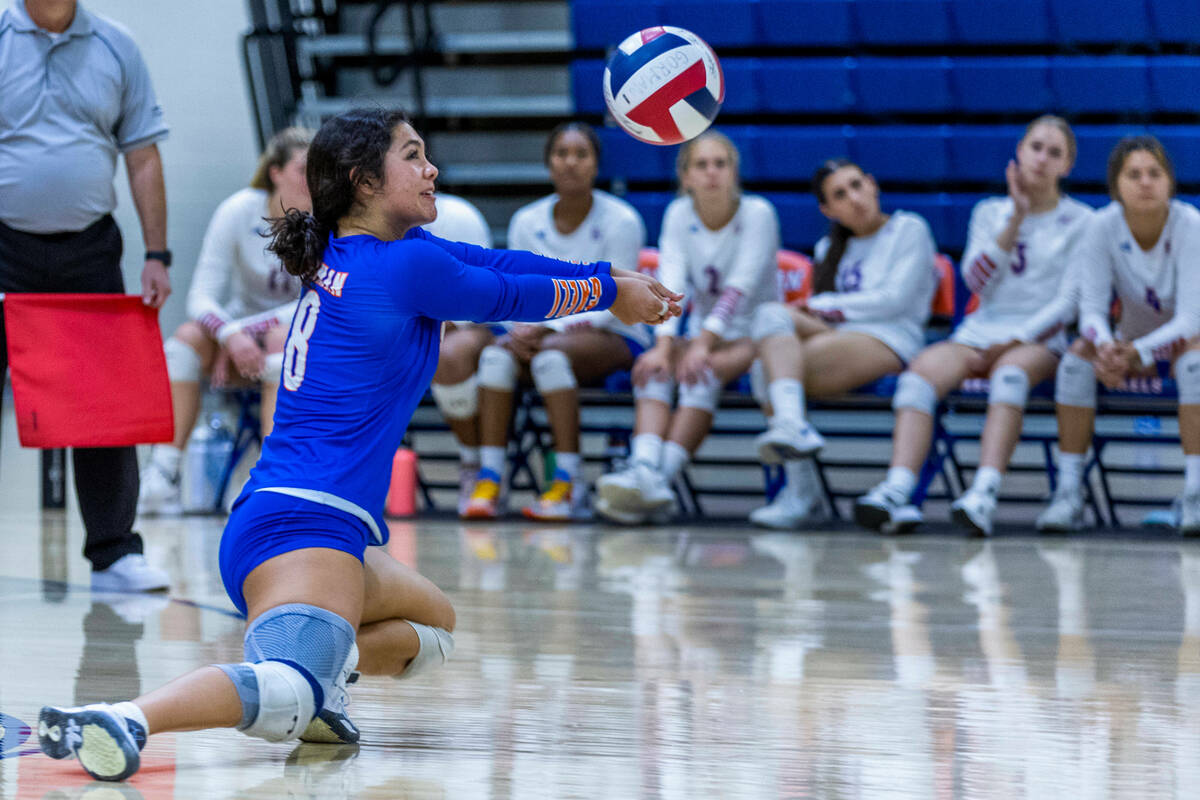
726	273
1159	288
1015	287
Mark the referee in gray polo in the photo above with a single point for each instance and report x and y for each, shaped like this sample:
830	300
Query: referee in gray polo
75	92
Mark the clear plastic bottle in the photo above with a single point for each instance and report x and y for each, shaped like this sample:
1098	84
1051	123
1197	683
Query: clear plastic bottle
207	455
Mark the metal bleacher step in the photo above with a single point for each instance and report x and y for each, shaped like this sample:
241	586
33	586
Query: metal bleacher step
490	43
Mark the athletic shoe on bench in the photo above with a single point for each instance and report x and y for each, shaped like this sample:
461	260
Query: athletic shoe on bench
785	441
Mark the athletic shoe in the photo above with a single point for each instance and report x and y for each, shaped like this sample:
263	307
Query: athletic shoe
1189	514
905	519
635	488
107	744
485	500
877	508
1065	512
466	485
623	517
331	725
974	510
787	511
130	573
159	494
564	501
786	441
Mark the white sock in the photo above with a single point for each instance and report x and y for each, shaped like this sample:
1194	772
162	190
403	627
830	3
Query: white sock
647	449
674	458
987	479
1070	469
131	711
902	479
1191	473
802	480
492	458
787	400
568	463
468	455
166	457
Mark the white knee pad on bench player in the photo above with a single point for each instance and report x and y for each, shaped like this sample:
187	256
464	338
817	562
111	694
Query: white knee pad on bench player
457	400
437	645
551	370
1075	382
655	389
913	391
273	367
1187	377
183	363
294	654
772	319
703	394
1009	385
497	369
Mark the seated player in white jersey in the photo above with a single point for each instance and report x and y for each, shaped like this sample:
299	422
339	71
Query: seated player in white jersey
873	284
239	306
1018	248
576	223
1145	247
722	245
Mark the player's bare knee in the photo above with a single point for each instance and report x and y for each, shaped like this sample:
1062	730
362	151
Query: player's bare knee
1082	348
190	333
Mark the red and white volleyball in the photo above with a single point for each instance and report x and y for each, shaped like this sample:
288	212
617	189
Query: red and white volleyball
664	85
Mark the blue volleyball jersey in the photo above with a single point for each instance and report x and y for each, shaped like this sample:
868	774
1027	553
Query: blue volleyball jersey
363	347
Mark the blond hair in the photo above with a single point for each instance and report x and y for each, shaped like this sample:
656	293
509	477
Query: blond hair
278	152
1063	126
684	159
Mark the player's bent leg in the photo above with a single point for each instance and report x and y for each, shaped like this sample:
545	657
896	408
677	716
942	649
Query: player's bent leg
408	622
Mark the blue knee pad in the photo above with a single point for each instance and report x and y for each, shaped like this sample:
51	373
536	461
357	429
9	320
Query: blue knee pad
289	649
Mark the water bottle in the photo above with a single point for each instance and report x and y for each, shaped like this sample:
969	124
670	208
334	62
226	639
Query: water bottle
208	451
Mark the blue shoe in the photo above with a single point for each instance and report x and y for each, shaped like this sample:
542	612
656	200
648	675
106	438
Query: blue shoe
107	744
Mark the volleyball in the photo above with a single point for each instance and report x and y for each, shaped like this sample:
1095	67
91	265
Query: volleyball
664	85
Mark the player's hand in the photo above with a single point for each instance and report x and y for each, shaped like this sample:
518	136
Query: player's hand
219	377
695	364
156	284
524	340
655	363
644	301
246	355
1016	189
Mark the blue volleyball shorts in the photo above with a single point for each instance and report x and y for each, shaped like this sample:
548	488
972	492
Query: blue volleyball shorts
267	524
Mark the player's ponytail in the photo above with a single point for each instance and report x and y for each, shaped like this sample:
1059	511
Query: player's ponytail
347	152
825	272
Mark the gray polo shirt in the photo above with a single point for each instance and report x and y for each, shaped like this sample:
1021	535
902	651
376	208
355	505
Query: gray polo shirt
69	103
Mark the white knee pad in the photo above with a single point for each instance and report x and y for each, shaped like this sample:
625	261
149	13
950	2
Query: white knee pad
552	371
457	400
913	391
497	369
273	367
1187	377
1075	382
703	394
758	383
437	645
654	389
294	655
1009	385
772	319
183	363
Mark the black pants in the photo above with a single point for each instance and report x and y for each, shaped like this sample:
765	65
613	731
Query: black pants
106	478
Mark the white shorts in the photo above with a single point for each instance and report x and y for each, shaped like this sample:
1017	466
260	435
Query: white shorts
904	343
975	331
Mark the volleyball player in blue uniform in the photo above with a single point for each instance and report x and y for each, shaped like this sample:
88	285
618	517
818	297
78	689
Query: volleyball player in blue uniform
360	354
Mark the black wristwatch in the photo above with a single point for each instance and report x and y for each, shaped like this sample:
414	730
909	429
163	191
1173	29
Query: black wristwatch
160	255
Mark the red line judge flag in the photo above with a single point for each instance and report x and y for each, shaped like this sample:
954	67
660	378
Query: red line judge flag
88	370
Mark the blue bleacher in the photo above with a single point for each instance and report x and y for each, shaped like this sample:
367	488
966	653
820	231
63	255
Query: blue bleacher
791	85
886	85
1107	22
800	222
1101	83
652	206
1183	146
600	24
903	152
793	153
812	23
934	208
981	152
1175	21
1009	22
721	23
1175	81
742	94
626	157
745	138
587	76
958	217
1095	142
1002	84
902	22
